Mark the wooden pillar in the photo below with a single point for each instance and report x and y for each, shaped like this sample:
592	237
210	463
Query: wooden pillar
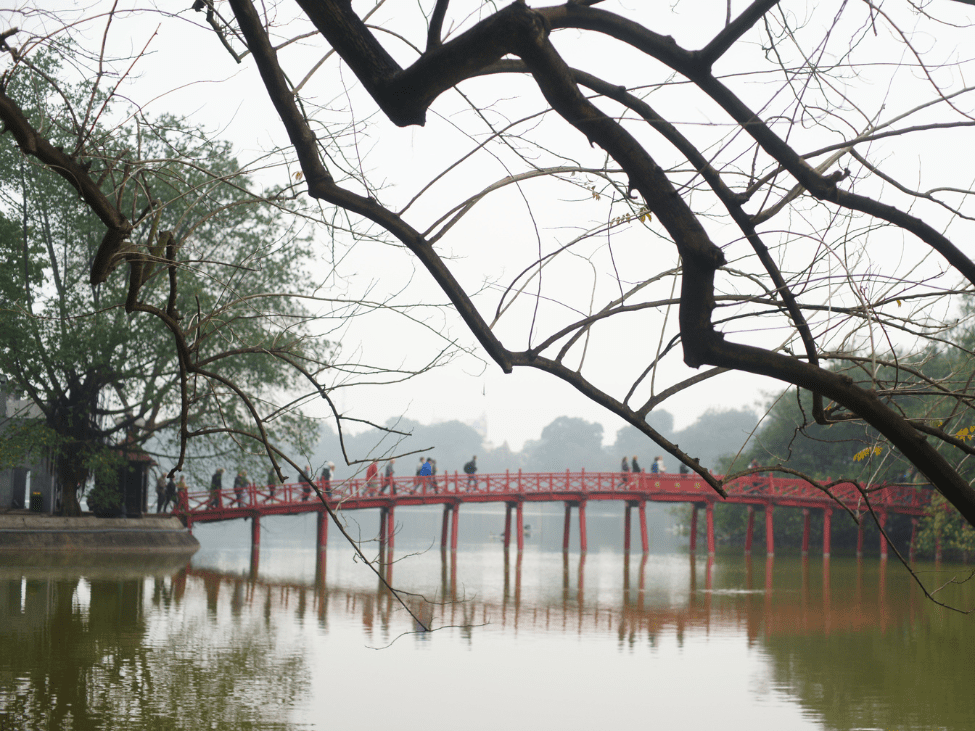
443	530
860	538
565	528
582	526
453	527
750	530
383	512
390	528
827	531
709	517
520	527
626	529
507	524
694	528
644	538
882	520
805	531
322	530
769	532
255	531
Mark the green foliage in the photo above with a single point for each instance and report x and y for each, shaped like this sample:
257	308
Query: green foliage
944	526
790	437
25	441
101	376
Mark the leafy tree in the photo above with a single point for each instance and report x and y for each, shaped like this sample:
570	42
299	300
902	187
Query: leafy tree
101	376
568	443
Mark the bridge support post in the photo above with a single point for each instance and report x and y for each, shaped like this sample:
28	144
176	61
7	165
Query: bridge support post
391	529
520	527
565	528
255	562
860	538
882	521
256	532
709	516
322	530
750	531
827	531
443	530
507	525
643	528
914	522
694	528
805	531
383	520
769	533
582	526
626	528
453	527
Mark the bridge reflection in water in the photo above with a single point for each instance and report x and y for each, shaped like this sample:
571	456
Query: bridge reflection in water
751	605
575	490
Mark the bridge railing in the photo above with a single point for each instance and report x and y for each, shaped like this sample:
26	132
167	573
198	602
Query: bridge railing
668	486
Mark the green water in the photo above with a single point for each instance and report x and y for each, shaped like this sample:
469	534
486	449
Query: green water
544	642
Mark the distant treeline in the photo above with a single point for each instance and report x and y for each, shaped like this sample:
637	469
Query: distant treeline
568	443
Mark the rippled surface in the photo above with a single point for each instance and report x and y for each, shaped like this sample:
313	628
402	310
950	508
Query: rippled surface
548	641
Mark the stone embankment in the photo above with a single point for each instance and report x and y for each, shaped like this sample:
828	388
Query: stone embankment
22	531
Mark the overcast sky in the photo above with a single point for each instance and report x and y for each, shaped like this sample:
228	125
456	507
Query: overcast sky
201	81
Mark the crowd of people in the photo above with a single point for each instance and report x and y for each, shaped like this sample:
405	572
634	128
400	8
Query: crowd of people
169	494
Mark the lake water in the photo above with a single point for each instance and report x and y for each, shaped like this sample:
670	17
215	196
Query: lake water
547	641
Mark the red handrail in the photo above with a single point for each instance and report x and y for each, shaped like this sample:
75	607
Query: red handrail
558	485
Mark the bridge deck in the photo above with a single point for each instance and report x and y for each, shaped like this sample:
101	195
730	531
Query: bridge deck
569	487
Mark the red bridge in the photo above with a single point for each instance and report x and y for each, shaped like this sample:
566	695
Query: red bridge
575	489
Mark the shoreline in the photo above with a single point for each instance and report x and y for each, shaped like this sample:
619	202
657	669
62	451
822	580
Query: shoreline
23	531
